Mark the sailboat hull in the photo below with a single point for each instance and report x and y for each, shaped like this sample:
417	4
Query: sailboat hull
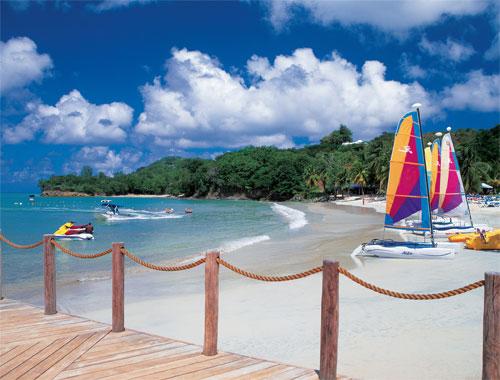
403	252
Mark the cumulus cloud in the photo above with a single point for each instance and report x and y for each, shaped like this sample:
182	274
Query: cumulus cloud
21	63
103	159
73	120
403	15
450	50
493	52
411	70
106	5
479	92
199	104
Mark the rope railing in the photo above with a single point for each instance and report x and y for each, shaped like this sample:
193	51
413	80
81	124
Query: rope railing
260	277
411	296
20	246
256	276
68	251
163	268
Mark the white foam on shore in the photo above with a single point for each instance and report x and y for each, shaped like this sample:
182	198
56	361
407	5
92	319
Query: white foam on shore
243	242
296	218
231	246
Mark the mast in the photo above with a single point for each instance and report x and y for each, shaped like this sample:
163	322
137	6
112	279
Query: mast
417	105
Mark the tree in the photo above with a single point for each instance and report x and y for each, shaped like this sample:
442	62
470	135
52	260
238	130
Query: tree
336	138
473	171
86	172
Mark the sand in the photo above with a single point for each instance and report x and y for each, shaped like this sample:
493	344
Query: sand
380	337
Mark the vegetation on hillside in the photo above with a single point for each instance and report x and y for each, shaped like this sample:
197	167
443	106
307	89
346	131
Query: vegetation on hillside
330	167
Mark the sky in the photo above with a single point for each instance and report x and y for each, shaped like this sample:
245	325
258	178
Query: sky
118	84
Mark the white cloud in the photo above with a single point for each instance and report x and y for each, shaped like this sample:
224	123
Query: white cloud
479	92
73	120
21	64
449	50
106	5
411	70
394	16
493	52
199	104
103	159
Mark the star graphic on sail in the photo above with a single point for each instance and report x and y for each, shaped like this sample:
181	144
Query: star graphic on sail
406	149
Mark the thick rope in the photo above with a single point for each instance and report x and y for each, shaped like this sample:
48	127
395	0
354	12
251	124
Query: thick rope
20	246
163	268
410	296
79	255
259	277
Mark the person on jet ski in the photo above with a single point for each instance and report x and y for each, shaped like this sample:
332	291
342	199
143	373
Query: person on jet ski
84	228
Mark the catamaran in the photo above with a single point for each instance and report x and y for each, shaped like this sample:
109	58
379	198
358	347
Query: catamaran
407	197
451	213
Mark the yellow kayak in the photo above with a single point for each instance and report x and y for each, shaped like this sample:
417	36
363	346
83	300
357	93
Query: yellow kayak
488	241
461	237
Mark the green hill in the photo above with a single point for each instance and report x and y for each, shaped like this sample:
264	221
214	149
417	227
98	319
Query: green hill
280	174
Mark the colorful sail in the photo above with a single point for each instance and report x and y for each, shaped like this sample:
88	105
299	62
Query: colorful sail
407	192
435	174
452	201
428	164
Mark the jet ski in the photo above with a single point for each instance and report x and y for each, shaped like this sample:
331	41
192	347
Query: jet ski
110	208
71	231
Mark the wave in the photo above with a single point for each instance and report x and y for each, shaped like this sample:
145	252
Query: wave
243	242
230	246
296	218
131	214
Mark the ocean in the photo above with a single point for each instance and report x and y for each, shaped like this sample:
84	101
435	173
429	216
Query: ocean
144	226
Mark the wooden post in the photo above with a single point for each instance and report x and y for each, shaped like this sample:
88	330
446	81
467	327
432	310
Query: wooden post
491	326
329	321
118	284
49	272
211	304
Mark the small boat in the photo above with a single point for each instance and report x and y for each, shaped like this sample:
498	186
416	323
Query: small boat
188	210
70	231
407	197
169	210
407	250
484	241
31	197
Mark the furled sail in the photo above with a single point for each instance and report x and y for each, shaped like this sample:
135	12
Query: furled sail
435	174
452	201
407	192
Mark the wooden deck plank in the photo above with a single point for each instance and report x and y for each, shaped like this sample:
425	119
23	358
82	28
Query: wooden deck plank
199	363
38	346
208	372
31	360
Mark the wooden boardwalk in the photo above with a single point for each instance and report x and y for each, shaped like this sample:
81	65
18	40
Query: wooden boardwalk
38	346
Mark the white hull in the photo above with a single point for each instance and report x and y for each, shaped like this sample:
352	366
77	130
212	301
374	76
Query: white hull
83	236
403	252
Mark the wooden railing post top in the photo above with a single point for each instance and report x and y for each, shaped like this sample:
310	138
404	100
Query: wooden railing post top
491	274
329	262
213	254
48	236
118	244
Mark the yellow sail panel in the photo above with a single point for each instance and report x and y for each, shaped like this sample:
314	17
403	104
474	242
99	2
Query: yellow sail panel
398	156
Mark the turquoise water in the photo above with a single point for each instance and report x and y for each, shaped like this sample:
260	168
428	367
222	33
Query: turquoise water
146	230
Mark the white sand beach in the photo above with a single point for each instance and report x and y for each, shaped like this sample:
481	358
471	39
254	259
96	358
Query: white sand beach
380	337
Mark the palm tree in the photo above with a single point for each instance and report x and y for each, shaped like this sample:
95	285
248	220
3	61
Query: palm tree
360	177
473	172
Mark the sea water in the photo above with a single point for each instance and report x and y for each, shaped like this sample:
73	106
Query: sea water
143	226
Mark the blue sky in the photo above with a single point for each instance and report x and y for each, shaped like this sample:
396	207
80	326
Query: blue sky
117	84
